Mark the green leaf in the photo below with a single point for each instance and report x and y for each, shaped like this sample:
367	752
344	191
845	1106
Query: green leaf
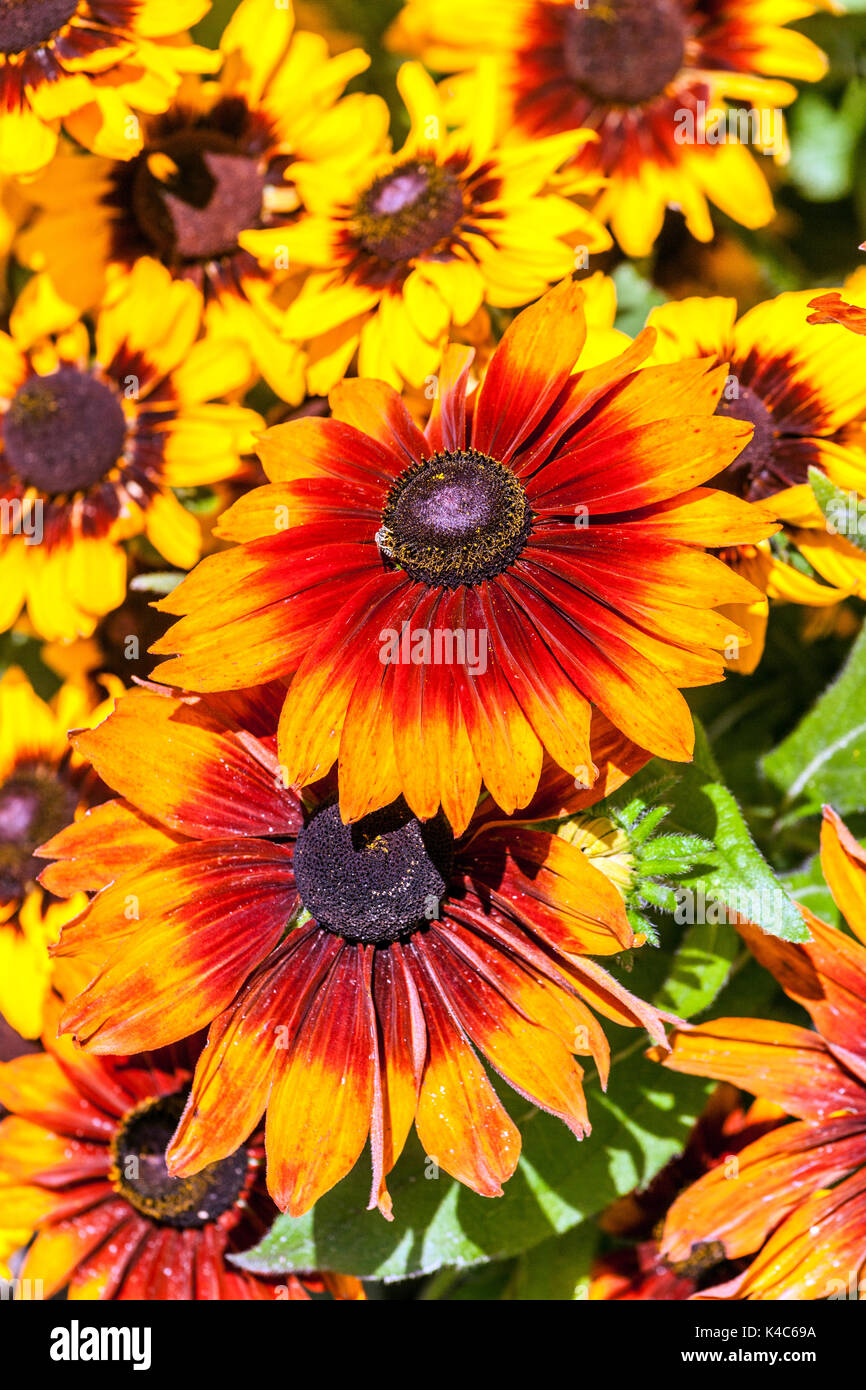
824	140
731	873
843	511
557	1270
156	582
701	965
638	1126
824	759
636	295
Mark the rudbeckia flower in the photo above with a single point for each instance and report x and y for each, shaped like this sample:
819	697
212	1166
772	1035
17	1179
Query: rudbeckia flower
634	1269
452	602
802	391
93	445
796	1203
650	78
409	244
42	785
234	154
352	974
82	1159
91	66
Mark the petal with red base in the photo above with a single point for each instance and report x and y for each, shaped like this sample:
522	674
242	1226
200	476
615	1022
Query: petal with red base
779	1061
321	1104
101	1273
29	1153
377	410
57	1251
332	449
35	1088
528	370
554	705
446	428
205	915
771	1177
106	843
461	1122
532	1059
550	886
315	708
402	1050
180	766
235	1072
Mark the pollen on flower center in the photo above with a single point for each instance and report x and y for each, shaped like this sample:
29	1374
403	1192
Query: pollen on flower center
624	51
754	473
194	192
28	23
34	804
376	880
456	518
140	1175
64	431
408	211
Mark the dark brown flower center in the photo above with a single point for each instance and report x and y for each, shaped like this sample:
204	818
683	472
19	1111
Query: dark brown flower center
756	472
35	802
376	880
140	1174
624	52
63	432
194	192
29	23
456	518
126	635
408	211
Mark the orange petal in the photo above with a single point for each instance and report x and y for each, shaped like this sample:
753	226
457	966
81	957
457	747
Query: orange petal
57	1252
812	1254
773	1175
528	370
378	411
179	765
402	1052
235	1072
778	1061
531	1058
550	886
204	916
35	1088
843	861
321	1104
460	1121
103	845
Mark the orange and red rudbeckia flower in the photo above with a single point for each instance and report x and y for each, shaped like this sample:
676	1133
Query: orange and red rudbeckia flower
82	1162
352	975
89	66
797	1202
635	1269
651	79
452	603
